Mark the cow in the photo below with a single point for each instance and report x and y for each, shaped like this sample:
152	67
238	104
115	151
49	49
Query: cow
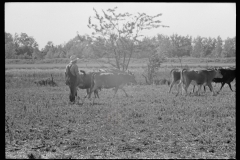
175	77
228	74
114	80
82	82
85	83
198	77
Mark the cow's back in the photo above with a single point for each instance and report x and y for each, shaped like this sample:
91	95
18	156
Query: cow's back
110	80
175	74
85	81
199	76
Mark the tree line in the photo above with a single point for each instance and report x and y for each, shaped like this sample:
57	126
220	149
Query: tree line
118	36
25	47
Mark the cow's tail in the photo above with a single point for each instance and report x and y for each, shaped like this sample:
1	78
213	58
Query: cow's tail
83	72
92	80
174	69
182	77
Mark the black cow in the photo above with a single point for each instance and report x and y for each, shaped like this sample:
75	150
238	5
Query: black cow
229	74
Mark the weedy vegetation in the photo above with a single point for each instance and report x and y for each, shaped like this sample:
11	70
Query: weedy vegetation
152	123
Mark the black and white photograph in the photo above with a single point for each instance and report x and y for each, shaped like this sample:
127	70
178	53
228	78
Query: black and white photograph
120	80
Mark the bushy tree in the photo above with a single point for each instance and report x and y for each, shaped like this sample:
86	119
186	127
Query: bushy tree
24	44
180	45
120	32
229	47
198	49
218	48
164	46
9	46
154	63
10	52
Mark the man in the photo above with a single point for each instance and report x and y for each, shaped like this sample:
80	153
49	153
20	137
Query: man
72	74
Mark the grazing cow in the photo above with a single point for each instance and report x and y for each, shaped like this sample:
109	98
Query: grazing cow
111	80
175	76
199	78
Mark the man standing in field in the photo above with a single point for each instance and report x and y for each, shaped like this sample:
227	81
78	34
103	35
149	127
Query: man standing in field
71	75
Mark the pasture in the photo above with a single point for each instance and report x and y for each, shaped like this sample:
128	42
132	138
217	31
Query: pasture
152	123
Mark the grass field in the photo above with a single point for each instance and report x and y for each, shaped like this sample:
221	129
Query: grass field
152	123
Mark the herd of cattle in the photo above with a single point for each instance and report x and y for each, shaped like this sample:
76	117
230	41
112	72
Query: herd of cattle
202	77
113	78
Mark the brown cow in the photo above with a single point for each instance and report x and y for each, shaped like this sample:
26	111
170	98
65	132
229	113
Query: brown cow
175	78
112	80
198	77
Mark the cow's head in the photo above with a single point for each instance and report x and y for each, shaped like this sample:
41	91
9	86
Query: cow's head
218	74
132	78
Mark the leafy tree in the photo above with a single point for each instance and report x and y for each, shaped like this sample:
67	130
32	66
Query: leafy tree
10	51
24	45
8	38
198	49
164	48
120	33
50	53
146	47
180	45
229	47
218	48
9	46
154	63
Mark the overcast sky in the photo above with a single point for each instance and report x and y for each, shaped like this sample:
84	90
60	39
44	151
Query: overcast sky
59	22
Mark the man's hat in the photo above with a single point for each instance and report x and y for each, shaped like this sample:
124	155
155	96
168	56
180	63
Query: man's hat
73	58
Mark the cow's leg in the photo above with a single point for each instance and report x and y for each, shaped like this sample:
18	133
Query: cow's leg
186	86
199	89
91	90
178	86
88	92
115	91
96	94
229	84
211	89
204	87
193	88
222	84
77	96
171	85
124	91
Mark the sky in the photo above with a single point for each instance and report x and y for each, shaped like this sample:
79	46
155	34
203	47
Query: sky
60	22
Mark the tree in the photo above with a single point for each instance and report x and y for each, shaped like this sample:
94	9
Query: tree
180	45
229	47
10	51
120	33
9	46
218	48
197	47
164	46
24	45
8	38
154	63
